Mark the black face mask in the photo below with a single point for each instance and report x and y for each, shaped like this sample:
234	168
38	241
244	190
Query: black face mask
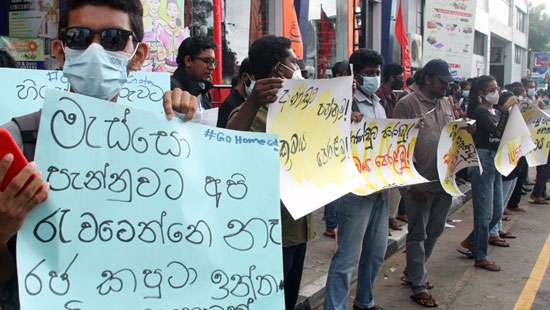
397	84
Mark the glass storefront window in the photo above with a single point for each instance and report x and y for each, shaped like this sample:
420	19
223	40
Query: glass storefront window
320	38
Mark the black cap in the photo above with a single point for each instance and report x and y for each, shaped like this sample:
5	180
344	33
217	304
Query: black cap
439	68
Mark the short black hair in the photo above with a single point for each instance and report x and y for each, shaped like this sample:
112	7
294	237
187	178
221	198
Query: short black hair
340	68
517	88
193	46
6	61
465	84
244	68
265	53
364	57
390	70
133	8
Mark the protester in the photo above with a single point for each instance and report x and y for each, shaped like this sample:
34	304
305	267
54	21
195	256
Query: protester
392	81
196	62
272	59
362	220
77	51
487	186
427	204
340	68
464	98
496	235
239	91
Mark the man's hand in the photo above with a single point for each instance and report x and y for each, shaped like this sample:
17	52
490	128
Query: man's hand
16	202
356	117
265	92
510	102
179	101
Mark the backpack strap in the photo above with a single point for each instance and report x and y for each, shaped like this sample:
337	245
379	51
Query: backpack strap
28	126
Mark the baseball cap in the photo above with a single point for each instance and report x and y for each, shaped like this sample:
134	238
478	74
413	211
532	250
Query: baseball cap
439	68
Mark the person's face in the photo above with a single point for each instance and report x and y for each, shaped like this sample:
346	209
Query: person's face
371	71
154	6
98	18
172	11
436	86
531	85
285	69
201	66
467	87
491	87
397	82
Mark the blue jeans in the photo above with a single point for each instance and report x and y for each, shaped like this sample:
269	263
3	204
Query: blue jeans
362	241
487	200
330	215
507	190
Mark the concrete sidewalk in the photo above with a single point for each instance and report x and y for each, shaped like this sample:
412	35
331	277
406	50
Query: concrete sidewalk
321	250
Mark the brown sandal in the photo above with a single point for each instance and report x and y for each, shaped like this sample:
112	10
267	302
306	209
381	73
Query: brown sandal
496	241
487	265
394	224
506	235
425	300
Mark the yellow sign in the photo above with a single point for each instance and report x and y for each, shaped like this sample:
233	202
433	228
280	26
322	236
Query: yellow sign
455	151
312	119
383	153
515	142
538	122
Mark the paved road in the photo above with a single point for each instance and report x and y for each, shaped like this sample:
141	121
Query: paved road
524	282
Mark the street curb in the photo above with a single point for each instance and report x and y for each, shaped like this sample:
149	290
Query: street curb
315	299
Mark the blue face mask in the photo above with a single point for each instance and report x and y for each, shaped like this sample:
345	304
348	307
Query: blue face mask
96	72
370	84
531	92
465	93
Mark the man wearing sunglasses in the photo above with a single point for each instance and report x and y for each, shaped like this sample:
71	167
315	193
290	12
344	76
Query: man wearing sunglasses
99	44
196	62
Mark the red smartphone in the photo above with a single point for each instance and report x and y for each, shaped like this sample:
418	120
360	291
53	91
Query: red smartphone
9	146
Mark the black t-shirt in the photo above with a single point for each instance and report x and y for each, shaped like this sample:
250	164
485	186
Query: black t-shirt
229	104
488	132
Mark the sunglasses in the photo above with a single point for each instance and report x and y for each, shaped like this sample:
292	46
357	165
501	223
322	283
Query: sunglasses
112	39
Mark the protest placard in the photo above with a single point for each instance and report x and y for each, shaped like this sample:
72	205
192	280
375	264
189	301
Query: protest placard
383	152
312	119
143	214
515	142
24	90
455	151
538	122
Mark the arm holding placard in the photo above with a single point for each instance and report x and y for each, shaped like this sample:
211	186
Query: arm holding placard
16	201
264	92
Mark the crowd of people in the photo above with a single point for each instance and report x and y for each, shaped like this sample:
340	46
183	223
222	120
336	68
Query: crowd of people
104	30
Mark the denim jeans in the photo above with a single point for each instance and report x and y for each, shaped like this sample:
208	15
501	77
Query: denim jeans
543	173
330	215
426	223
507	190
487	200
362	241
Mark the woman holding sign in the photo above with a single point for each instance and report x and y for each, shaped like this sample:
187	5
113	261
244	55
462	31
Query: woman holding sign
486	186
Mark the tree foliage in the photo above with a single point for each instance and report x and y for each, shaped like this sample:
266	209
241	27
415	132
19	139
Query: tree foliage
539	28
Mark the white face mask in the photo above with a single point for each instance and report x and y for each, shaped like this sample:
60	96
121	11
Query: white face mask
297	75
96	72
492	98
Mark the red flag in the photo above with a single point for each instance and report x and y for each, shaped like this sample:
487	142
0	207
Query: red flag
291	28
326	41
403	39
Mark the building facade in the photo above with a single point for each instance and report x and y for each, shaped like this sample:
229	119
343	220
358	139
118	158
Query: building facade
500	46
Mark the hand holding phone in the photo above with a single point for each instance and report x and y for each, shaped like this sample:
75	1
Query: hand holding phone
9	147
21	187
